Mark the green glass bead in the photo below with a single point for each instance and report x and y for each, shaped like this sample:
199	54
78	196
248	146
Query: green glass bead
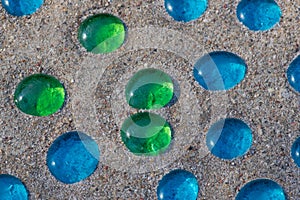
102	33
39	95
146	134
149	89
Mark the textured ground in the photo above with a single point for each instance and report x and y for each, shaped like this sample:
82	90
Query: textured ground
46	42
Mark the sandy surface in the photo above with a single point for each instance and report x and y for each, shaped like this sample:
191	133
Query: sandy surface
46	42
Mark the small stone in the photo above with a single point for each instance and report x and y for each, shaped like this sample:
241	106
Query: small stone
149	89
229	138
146	134
185	10
73	157
258	15
295	151
102	33
219	70
22	7
261	189
12	188
39	95
293	73
178	185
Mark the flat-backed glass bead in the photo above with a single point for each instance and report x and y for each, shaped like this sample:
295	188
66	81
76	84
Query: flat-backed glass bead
73	157
293	73
178	185
261	189
185	10
39	95
219	70
146	134
295	151
21	7
258	15
149	89
102	33
229	138
11	188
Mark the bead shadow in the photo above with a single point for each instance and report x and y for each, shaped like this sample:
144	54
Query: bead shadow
26	188
176	94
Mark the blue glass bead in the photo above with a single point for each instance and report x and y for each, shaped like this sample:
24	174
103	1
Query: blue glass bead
72	157
21	7
295	151
11	188
219	70
229	138
178	185
258	15
293	74
185	10
261	189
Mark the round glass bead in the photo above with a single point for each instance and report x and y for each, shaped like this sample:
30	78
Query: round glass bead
293	73
21	7
102	33
258	15
149	89
72	157
178	185
11	188
146	133
185	10
219	70
261	189
295	151
39	95
229	138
